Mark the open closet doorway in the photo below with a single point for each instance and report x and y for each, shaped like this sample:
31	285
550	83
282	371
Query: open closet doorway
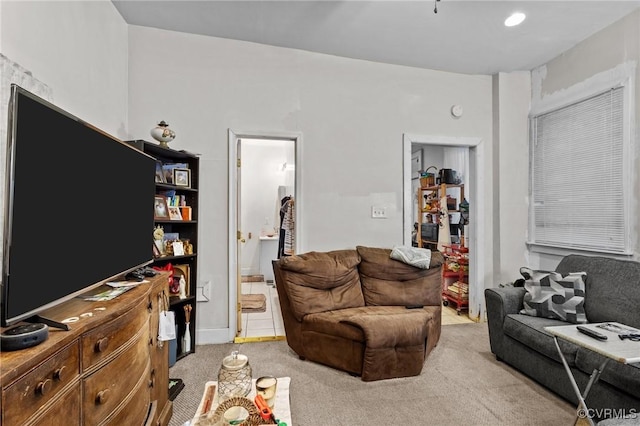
263	189
474	151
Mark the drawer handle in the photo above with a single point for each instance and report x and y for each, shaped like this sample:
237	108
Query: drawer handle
102	396
57	374
101	345
152	380
150	305
43	387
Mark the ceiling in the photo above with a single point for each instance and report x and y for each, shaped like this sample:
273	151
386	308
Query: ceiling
463	36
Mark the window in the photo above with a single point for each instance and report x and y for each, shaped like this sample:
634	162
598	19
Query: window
580	175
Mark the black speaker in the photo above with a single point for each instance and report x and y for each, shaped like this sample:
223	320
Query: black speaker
23	336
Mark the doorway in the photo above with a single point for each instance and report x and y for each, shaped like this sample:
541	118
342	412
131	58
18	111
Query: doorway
265	177
475	235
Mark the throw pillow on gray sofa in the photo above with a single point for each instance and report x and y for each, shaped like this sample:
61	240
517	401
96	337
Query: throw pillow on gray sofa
551	295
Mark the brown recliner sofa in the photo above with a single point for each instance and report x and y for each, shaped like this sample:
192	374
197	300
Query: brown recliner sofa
347	309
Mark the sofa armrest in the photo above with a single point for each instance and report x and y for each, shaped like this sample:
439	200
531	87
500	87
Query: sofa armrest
506	300
501	302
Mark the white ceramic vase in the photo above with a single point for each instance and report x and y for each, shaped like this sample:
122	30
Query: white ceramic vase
186	339
163	134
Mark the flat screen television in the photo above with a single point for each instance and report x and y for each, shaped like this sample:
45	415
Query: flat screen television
78	208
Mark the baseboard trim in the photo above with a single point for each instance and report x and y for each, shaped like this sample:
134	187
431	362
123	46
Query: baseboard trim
258	339
212	336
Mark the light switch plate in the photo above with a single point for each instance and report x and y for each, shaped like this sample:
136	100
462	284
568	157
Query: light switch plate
378	212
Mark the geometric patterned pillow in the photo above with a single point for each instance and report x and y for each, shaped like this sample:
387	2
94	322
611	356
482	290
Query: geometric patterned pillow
550	295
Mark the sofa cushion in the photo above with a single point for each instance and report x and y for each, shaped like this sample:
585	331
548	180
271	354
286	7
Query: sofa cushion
386	281
530	331
395	343
550	295
623	376
612	288
322	281
331	322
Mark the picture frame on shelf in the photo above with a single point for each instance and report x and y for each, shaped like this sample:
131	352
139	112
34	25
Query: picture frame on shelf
178	248
156	250
182	177
174	213
159	173
168	170
160	208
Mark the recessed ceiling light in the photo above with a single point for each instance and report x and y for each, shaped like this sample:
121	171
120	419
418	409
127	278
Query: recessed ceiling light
514	19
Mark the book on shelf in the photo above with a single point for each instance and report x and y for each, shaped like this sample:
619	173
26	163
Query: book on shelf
452	291
173	199
459	287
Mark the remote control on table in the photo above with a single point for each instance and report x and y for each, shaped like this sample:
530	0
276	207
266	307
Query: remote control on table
591	333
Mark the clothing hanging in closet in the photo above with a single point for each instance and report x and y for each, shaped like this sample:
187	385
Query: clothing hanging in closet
286	245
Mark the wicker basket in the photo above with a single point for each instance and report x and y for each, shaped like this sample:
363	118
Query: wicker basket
428	179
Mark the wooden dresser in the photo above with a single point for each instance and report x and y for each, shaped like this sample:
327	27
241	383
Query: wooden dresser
109	369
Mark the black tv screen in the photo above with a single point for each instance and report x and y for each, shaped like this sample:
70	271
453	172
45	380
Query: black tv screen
78	207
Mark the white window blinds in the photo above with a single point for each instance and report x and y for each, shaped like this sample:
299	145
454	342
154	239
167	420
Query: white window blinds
577	176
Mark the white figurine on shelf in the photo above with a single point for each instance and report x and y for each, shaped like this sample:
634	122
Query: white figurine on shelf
183	288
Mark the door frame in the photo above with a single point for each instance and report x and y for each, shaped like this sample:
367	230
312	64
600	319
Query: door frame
477	235
234	262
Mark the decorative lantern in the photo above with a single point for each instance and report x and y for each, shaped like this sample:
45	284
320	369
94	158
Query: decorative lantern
234	377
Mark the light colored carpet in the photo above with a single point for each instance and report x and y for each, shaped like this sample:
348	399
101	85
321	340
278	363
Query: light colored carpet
252	303
461	384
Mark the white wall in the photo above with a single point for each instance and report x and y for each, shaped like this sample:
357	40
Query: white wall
78	49
610	53
352	115
512	103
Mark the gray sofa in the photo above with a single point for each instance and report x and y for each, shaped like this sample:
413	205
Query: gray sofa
612	293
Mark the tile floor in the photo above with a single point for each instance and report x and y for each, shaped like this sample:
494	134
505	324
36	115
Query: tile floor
268	325
262	324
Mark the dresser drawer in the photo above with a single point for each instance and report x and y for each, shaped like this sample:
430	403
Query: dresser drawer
63	412
99	343
40	385
103	390
135	409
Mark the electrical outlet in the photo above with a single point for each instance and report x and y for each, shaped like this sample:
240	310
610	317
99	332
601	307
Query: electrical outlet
378	212
203	292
